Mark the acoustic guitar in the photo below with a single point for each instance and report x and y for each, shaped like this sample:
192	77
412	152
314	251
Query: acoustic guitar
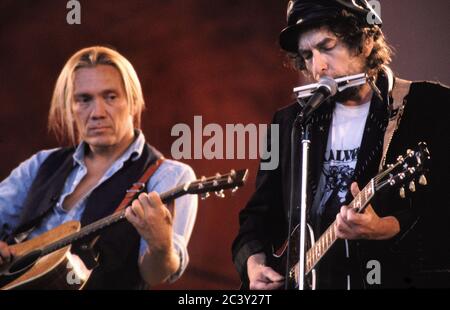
46	262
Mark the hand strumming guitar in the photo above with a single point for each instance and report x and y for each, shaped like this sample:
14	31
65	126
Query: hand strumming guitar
262	277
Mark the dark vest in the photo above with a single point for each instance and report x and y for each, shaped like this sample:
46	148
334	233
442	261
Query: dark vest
118	245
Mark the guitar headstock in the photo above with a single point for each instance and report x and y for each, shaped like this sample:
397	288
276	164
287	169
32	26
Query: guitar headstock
409	168
218	183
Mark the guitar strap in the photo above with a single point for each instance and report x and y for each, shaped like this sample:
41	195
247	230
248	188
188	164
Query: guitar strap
399	92
87	250
137	187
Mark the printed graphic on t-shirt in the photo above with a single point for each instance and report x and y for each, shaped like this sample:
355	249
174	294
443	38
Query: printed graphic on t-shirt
338	170
344	141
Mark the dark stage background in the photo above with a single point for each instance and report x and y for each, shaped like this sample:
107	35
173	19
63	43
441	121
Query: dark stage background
214	58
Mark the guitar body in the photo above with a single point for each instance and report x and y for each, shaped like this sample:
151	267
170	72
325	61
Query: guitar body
57	270
278	261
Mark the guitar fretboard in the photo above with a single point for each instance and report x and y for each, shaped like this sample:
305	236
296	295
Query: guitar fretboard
96	227
324	243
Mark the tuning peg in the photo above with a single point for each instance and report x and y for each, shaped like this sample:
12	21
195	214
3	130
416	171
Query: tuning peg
234	190
202	180
220	194
402	192
400	159
411	170
392	181
204	196
412	186
216	182
423	180
410	153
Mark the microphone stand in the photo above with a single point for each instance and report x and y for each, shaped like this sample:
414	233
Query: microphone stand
303	121
300	122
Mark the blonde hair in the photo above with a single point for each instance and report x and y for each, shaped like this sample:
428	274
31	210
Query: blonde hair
60	119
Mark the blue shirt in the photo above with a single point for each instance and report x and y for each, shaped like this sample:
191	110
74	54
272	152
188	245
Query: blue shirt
14	190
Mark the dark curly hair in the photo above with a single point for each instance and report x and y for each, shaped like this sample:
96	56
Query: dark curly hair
349	29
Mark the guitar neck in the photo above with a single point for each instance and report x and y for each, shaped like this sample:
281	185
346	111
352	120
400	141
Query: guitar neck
98	226
324	243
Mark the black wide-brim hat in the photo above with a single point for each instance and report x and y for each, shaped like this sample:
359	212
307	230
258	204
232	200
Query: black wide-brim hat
304	13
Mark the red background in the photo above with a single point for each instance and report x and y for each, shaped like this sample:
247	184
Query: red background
218	59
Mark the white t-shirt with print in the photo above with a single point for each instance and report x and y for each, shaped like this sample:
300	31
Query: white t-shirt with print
344	141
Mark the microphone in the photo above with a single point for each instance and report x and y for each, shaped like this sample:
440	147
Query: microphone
342	83
326	87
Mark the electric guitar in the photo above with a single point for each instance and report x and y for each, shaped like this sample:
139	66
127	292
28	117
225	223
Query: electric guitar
408	168
47	262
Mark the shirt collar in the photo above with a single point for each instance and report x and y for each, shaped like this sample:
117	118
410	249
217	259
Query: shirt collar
133	152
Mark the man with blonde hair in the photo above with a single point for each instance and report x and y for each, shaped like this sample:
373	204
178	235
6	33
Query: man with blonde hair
96	110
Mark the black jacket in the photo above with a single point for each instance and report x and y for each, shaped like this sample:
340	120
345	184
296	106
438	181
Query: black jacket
413	258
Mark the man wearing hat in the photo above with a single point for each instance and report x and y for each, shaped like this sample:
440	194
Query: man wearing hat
353	134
